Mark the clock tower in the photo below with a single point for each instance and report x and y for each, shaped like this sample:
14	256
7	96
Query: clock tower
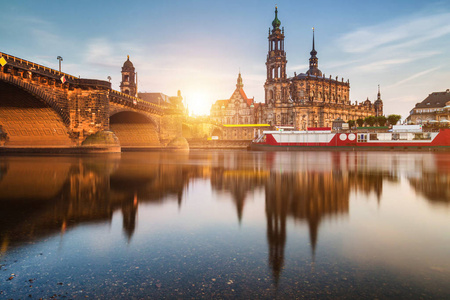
277	84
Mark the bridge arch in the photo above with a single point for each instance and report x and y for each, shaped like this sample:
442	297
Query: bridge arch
24	81
29	120
217	132
134	129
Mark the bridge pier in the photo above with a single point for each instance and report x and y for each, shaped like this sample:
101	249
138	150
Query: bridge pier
88	108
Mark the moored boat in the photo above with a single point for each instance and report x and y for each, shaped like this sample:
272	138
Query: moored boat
402	137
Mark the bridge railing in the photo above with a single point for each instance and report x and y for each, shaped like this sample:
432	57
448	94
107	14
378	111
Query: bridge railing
19	62
136	100
35	66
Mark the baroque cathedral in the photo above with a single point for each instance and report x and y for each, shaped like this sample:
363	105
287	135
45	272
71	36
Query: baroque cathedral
305	100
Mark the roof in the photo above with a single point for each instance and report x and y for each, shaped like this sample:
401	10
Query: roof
436	99
221	103
304	76
128	64
249	101
153	97
258	104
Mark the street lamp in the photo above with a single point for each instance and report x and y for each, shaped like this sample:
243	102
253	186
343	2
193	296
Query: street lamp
60	59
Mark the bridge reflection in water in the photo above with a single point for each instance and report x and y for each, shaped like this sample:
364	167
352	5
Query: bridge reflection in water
42	196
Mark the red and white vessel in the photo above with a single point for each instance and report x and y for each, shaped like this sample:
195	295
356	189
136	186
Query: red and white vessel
402	137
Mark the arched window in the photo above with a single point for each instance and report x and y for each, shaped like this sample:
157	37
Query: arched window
126	92
126	78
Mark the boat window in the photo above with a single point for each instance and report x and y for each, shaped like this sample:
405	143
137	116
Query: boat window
422	136
374	137
403	136
362	137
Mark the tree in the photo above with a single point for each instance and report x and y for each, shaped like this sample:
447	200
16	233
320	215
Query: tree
351	123
381	120
393	119
370	120
360	122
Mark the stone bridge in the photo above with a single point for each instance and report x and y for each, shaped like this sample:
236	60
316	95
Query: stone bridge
44	108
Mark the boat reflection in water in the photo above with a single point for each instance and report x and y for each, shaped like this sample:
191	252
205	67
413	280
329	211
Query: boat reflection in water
42	197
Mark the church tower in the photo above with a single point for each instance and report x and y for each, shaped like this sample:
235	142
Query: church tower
128	84
314	61
277	84
378	104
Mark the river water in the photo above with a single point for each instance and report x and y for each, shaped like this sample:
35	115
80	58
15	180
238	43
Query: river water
225	224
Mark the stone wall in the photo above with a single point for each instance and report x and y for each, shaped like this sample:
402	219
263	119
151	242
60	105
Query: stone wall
89	112
170	128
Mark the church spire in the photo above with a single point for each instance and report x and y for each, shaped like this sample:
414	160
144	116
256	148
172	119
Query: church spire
313	51
314	61
276	23
239	84
379	94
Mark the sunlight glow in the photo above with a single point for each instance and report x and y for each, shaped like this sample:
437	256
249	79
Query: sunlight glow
199	102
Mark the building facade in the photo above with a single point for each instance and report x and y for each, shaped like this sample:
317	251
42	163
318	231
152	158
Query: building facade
239	109
129	86
433	109
309	99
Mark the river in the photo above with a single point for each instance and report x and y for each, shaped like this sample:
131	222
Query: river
225	224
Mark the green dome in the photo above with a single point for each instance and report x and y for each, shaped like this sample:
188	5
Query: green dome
276	23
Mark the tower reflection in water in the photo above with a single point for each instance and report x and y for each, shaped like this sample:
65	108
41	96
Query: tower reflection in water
41	196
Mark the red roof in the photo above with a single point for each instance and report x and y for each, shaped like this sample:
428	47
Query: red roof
258	104
249	101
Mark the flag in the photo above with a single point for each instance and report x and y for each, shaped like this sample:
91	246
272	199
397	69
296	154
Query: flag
2	61
63	79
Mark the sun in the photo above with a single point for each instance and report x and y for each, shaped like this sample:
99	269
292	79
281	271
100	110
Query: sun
199	103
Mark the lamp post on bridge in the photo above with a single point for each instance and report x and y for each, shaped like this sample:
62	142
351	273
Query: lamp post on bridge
60	59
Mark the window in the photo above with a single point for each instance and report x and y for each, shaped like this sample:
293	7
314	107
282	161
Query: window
362	137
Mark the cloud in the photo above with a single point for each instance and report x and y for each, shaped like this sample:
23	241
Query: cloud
389	46
410	78
384	64
399	33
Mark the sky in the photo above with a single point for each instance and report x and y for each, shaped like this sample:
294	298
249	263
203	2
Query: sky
199	47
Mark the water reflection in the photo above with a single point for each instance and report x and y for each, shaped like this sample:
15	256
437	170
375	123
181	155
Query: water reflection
41	196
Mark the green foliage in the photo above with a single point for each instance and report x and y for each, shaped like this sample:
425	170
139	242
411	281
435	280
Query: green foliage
100	138
360	122
381	120
370	120
351	123
393	119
